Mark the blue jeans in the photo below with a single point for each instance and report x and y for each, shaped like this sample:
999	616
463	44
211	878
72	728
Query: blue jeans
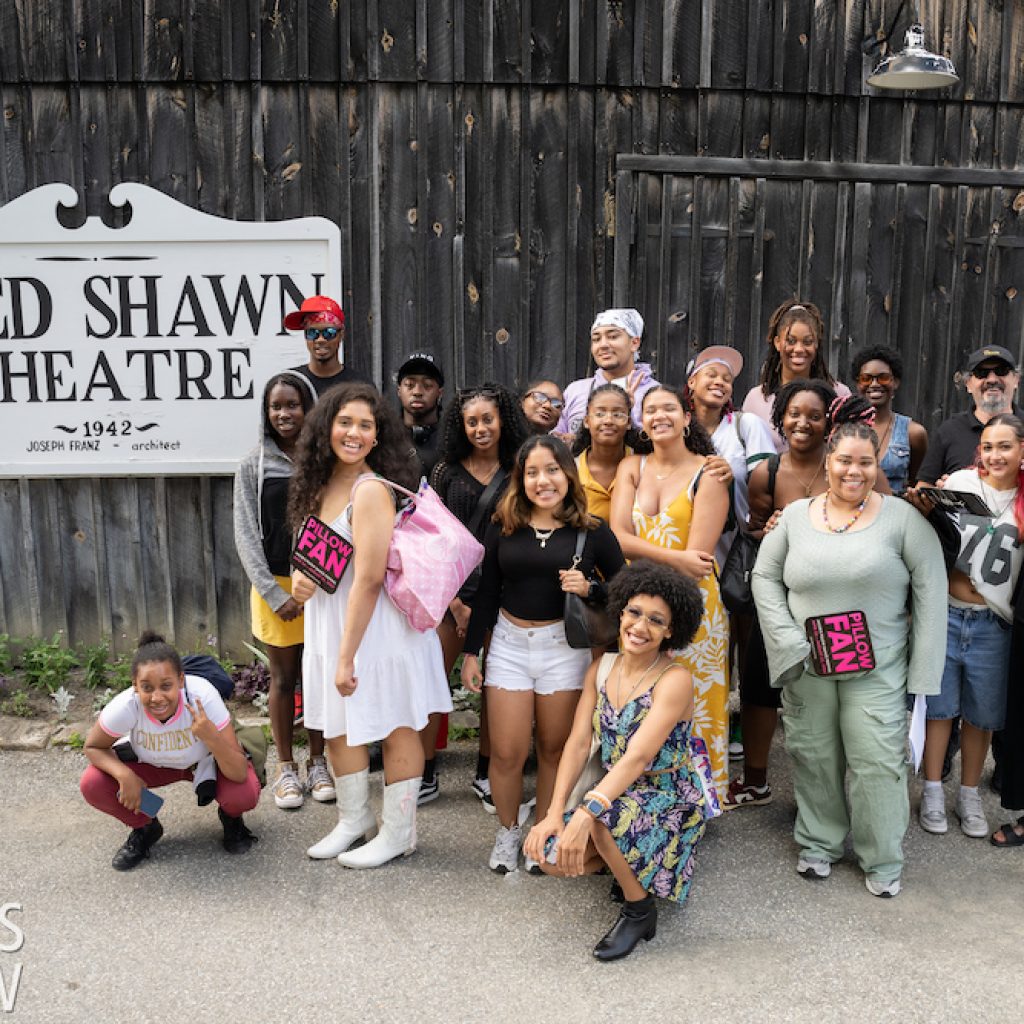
977	666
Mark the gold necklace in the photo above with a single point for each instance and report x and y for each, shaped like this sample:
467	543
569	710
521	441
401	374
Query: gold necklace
486	478
665	476
806	486
643	675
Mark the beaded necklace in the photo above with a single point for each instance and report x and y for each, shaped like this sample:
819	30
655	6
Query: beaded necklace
856	515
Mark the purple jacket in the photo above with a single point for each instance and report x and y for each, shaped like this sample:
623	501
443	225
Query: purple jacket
577	393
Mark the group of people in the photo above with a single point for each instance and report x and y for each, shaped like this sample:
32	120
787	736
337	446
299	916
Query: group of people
629	494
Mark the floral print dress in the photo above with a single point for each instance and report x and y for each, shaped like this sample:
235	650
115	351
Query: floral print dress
707	657
656	823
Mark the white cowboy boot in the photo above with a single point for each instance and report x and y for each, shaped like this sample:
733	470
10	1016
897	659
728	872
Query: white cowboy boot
355	819
397	836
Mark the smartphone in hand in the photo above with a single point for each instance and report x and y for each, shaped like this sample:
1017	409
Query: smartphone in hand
150	803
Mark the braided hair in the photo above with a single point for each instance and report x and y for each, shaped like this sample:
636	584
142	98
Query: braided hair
791	312
455	445
581	440
850	417
789	391
696	438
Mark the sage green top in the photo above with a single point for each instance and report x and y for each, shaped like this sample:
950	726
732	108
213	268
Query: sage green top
802	572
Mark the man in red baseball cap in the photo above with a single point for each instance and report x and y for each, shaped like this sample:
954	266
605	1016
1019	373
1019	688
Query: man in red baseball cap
323	323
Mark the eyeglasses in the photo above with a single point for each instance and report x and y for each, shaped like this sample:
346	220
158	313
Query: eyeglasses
865	379
541	399
633	615
616	416
1000	370
327	333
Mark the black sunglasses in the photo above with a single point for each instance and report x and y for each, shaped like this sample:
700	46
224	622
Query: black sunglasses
1000	370
327	333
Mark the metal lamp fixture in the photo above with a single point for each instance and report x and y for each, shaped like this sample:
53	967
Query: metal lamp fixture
914	67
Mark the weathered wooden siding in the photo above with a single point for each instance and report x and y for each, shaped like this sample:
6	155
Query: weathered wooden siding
475	155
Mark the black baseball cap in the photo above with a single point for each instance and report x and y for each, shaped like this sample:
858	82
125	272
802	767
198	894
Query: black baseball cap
421	362
982	355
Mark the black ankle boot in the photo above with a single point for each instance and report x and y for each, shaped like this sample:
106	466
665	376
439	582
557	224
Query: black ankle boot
638	920
237	838
137	846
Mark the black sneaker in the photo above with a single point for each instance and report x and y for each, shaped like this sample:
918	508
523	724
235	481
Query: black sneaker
237	838
137	845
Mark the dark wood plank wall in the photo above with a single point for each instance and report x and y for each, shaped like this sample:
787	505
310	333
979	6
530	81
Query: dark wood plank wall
468	150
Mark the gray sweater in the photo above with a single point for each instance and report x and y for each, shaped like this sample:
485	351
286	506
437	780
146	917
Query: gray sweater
803	572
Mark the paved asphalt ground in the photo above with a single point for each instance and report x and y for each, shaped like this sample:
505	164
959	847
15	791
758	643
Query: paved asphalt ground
196	936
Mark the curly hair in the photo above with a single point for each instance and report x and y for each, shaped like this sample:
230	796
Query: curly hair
581	440
153	647
513	511
455	445
787	393
393	457
679	592
696	438
850	417
877	353
793	311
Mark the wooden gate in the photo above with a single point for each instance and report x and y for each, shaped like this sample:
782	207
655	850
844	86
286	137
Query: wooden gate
927	260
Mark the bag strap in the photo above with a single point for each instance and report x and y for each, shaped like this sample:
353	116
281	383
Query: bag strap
773	472
736	423
486	496
390	483
581	543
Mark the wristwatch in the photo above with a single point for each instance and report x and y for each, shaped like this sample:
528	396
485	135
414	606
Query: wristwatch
594	807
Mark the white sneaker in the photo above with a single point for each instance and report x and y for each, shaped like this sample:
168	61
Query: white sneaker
505	855
973	822
813	868
886	890
932	816
319	781
532	867
287	790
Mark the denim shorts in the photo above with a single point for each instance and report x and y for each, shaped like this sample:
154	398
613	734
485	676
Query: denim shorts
535	658
977	666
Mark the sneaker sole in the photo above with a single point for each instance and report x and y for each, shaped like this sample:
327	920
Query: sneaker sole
324	798
934	829
501	869
288	803
427	798
979	833
759	801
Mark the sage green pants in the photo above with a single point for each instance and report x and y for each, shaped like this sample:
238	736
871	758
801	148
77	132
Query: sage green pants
857	728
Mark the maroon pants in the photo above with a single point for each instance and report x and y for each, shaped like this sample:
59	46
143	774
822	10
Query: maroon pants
100	790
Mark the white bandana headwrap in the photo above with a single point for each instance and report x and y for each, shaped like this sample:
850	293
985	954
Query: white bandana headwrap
629	320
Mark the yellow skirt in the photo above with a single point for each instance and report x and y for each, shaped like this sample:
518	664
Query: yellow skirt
267	626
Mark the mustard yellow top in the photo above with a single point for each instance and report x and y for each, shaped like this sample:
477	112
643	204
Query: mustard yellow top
599	497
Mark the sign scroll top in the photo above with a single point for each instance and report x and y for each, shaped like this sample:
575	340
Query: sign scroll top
144	350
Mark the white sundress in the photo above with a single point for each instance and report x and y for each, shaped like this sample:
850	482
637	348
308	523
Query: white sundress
399	671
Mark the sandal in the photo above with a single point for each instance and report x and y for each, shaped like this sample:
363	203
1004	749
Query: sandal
1011	837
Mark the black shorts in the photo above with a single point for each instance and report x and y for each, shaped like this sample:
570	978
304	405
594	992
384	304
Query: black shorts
755	688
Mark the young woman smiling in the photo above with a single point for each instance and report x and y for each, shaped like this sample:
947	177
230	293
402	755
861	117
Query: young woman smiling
982	585
851	549
876	373
483	430
353	435
669	508
531	673
795	332
644	816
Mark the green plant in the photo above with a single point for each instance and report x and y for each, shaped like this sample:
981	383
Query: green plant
47	663
101	700
6	655
18	705
462	732
95	659
76	741
120	677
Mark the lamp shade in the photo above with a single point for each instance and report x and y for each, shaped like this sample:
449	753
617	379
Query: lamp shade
914	67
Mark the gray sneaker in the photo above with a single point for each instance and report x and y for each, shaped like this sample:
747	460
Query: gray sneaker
932	816
885	890
973	822
813	868
505	855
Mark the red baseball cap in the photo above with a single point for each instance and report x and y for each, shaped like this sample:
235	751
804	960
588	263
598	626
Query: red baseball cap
314	304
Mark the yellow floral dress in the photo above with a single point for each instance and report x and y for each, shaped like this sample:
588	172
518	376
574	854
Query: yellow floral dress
707	657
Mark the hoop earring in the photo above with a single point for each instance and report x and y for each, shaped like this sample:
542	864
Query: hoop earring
375	442
686	430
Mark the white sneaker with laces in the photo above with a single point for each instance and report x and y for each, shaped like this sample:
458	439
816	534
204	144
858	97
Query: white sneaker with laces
287	790
932	815
973	822
505	855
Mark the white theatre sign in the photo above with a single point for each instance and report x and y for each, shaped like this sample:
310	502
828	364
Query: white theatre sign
145	349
